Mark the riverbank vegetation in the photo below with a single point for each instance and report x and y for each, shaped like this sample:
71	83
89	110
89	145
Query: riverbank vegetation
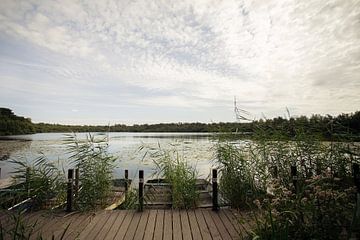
95	166
42	182
180	175
10	124
342	127
298	189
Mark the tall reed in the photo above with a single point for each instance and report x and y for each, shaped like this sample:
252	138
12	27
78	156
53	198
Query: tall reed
95	165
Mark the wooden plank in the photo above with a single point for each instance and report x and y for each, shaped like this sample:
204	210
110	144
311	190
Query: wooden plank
234	220
97	216
130	233
220	225
204	230
78	226
71	220
50	224
125	225
108	224
48	227
231	229
211	225
42	222
185	226
27	218
176	225
116	225
58	228
244	221
195	231
168	225
140	231
149	231
99	226
159	226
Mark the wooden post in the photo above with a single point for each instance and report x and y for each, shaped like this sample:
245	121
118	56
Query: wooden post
126	180
76	188
0	172
294	176
69	203
215	206
141	190
27	181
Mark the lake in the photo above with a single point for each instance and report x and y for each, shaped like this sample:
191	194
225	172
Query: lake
196	148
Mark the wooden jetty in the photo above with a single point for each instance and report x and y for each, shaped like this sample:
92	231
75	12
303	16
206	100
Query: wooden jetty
130	224
157	193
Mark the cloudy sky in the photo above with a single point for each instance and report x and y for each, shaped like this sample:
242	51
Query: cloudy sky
99	62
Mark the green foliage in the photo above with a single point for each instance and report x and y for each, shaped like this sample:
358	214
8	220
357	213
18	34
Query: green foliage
18	230
95	167
180	175
323	209
131	200
320	206
237	185
10	124
342	127
41	180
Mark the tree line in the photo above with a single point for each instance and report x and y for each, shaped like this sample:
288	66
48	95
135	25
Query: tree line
10	124
326	127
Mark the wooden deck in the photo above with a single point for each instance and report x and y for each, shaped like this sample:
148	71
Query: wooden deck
130	224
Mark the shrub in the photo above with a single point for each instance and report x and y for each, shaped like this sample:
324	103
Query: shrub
322	210
180	175
237	184
41	180
95	167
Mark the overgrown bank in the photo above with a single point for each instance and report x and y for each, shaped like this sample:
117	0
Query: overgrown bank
342	127
298	189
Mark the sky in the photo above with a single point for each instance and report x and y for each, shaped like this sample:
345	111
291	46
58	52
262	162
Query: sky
106	62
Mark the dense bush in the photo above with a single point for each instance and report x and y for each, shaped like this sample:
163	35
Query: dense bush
237	185
322	209
322	203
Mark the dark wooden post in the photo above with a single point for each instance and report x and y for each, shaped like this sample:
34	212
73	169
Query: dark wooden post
141	190
0	172
215	206
126	180
294	176
76	187
356	173
27	181
69	203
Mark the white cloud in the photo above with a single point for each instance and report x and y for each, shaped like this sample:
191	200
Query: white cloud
270	54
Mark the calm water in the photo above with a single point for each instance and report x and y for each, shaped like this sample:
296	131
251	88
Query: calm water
197	148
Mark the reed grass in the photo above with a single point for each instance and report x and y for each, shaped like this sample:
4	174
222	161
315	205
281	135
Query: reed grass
95	166
182	177
323	202
41	180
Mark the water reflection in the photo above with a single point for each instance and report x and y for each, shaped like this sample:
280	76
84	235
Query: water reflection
196	148
11	147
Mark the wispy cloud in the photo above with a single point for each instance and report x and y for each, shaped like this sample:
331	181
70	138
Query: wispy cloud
142	55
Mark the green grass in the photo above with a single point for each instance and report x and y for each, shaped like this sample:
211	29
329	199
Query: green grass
95	166
182	177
